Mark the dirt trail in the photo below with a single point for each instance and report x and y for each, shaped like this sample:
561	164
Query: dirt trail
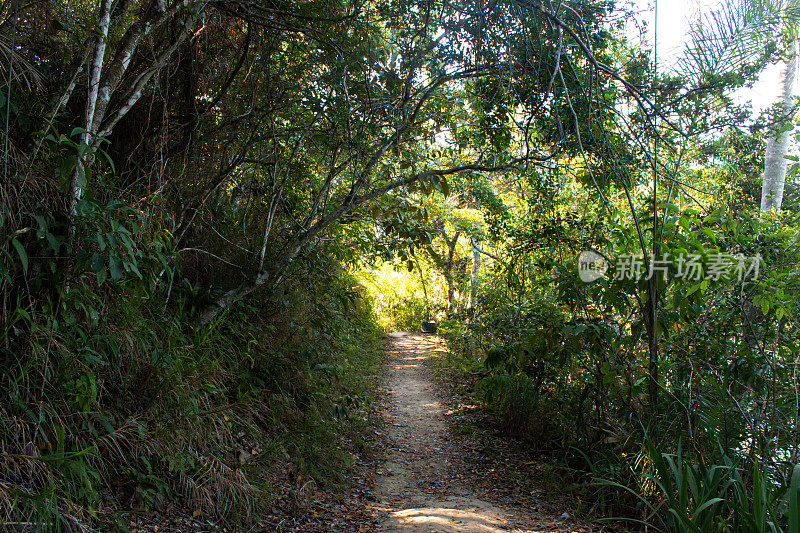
420	481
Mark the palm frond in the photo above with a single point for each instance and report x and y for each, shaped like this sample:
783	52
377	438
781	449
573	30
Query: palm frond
733	35
24	71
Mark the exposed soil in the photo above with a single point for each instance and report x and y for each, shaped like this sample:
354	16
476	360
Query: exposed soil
428	482
443	468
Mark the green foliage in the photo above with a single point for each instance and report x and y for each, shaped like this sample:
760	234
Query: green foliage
567	366
176	318
119	389
696	497
397	296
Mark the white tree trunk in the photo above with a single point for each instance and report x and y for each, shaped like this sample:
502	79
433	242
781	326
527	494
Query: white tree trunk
93	88
777	146
105	82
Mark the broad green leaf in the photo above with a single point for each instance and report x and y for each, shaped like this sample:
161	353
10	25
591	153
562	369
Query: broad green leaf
793	510
23	256
115	266
97	263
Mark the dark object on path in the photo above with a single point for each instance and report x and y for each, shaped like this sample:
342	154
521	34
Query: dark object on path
428	326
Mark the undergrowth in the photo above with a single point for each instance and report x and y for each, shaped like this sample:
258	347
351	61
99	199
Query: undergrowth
133	409
629	481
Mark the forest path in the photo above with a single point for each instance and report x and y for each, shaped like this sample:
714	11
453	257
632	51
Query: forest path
422	482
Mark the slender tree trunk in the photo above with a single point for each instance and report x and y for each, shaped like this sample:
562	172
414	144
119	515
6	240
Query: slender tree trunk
424	289
652	345
444	263
448	278
104	82
778	145
448	268
93	90
475	273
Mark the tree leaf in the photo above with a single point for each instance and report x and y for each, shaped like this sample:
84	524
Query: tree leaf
23	256
115	265
97	263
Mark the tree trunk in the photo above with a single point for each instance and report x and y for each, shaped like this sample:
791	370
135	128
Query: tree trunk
104	82
424	289
474	274
93	90
774	161
448	278
448	269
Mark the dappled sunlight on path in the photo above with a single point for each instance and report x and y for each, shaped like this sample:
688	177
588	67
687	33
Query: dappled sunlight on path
420	484
446	520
